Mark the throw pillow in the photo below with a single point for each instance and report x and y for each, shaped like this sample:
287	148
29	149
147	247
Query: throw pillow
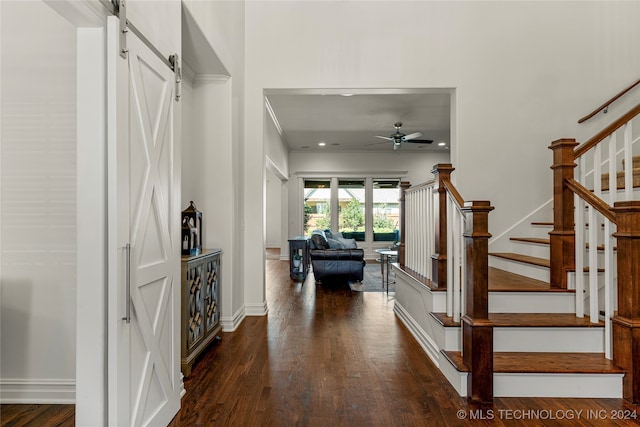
348	243
319	242
335	244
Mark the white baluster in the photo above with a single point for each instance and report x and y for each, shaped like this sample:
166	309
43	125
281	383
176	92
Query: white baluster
463	264
628	163
455	242
579	254
594	224
449	231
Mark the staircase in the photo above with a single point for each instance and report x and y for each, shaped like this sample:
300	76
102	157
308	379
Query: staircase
542	344
540	347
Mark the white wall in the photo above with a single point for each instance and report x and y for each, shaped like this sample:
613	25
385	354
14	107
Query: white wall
277	175
524	72
159	21
38	205
218	146
273	210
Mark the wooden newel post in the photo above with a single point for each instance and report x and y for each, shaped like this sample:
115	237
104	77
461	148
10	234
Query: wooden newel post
626	324
563	236
477	329
441	172
404	186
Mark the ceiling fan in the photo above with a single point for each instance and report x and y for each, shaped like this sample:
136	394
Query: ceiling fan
398	137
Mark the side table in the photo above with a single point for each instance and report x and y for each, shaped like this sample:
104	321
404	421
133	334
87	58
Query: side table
385	259
299	257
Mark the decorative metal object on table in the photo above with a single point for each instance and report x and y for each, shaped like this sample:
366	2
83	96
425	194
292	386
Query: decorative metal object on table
299	257
200	304
191	230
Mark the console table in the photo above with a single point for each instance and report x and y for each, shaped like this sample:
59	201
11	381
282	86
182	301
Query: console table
200	304
299	254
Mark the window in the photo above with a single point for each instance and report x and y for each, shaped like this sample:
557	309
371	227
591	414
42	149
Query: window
317	205
386	210
364	209
351	208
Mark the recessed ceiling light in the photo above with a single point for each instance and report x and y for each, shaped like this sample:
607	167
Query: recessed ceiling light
442	144
346	94
305	146
335	144
322	144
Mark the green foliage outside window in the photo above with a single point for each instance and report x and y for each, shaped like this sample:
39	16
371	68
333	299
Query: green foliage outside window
381	222
324	222
352	215
308	210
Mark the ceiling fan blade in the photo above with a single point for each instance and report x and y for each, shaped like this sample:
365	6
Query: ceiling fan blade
384	137
412	136
420	141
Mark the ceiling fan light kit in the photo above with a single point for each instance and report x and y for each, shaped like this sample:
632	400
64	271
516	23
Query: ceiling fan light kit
398	138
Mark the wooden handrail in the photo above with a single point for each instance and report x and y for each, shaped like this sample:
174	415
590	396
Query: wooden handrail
609	102
593	200
420	186
607	131
448	185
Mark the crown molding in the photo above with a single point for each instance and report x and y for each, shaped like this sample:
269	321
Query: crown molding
187	72
210	78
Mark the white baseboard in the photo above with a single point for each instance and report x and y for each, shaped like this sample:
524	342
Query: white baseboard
37	391
426	342
181	389
456	378
259	309
230	324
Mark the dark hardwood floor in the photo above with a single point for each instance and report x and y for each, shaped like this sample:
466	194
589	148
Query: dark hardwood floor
327	356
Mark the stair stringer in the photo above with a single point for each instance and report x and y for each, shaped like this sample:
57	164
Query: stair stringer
413	305
523	228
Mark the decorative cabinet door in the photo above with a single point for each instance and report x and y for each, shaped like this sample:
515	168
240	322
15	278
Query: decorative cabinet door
195	326
200	304
212	315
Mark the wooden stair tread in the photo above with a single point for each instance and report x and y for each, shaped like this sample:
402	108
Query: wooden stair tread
542	223
524	320
541	262
505	281
543	363
531	240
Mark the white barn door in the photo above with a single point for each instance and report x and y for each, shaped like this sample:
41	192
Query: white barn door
144	237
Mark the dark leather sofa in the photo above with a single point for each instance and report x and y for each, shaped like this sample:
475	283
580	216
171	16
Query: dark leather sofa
331	260
337	264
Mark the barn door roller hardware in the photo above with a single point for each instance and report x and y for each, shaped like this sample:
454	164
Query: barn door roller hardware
124	29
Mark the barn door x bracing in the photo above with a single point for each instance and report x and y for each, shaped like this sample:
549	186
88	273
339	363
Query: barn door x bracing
144	260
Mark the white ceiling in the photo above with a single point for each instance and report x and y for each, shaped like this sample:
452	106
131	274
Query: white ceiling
308	117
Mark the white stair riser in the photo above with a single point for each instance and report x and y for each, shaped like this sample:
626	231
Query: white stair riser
531	249
593	386
447	338
528	270
568	340
532	302
531	339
